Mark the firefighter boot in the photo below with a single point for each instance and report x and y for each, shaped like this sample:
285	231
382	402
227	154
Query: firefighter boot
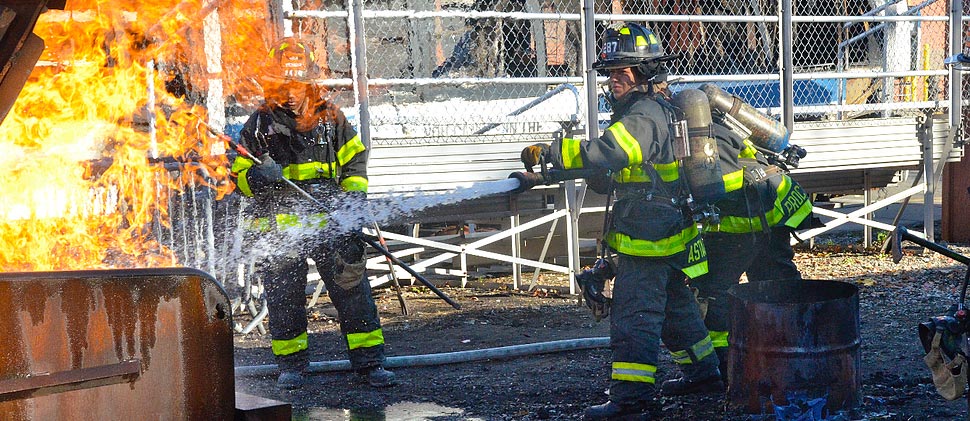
682	386
617	411
292	369
377	376
722	357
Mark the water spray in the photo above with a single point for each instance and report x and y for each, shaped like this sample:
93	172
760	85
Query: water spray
249	155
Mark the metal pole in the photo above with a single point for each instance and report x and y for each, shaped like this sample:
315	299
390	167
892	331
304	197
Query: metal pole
926	136
787	88
589	75
592	132
390	266
358	60
956	78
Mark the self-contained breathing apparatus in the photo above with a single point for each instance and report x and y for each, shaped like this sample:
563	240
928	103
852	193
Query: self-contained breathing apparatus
768	135
695	147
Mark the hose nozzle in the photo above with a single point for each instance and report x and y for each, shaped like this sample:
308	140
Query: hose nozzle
527	180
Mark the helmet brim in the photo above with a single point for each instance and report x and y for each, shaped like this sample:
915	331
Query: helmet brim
624	62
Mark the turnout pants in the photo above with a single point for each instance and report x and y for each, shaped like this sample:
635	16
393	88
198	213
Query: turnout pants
285	280
651	303
763	256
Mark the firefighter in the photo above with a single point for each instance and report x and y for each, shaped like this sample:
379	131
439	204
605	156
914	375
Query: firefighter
756	217
298	135
762	208
652	233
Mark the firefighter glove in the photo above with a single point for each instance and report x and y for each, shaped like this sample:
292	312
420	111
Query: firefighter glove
593	282
534	155
266	173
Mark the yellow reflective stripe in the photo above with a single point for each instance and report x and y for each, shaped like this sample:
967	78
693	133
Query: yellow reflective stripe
788	202
285	220
700	350
307	171
695	270
703	348
633	372
733	180
680	357
631	175
240	164
748	151
799	215
625	30
365	339
636	174
258	224
354	183
627	142
240	167
719	338
243	183
290	346
668	172
288	220
652	248
653	39
641	41
349	150
736	225
571	157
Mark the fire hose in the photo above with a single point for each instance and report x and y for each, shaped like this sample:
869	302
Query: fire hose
529	180
246	153
445	357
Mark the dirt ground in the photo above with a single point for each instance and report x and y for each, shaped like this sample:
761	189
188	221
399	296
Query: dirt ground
896	385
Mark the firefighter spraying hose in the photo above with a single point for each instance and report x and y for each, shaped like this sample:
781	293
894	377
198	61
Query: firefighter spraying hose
650	230
377	246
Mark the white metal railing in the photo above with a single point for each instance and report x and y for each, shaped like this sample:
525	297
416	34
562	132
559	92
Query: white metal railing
784	78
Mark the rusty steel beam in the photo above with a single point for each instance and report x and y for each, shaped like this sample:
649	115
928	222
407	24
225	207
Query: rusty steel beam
62	381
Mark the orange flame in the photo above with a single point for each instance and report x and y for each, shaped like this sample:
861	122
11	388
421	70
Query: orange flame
81	152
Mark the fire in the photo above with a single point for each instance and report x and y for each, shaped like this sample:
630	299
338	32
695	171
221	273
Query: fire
103	134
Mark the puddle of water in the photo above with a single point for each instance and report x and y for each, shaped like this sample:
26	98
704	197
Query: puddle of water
399	411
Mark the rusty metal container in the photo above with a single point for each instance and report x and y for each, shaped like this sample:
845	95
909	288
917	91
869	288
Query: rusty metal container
115	344
794	337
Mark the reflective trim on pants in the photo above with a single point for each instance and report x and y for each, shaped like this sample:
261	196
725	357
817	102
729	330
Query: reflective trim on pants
719	339
365	339
695	352
633	372
290	346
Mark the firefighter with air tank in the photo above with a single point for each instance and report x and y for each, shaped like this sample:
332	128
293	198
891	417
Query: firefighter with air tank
681	155
761	208
652	231
299	136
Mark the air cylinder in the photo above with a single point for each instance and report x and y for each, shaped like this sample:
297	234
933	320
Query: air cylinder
766	132
702	166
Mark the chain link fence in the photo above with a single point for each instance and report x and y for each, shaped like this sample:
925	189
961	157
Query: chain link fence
439	71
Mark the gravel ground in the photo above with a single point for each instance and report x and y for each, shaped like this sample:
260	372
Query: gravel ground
896	385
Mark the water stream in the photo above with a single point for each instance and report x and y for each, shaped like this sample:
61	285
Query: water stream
347	215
